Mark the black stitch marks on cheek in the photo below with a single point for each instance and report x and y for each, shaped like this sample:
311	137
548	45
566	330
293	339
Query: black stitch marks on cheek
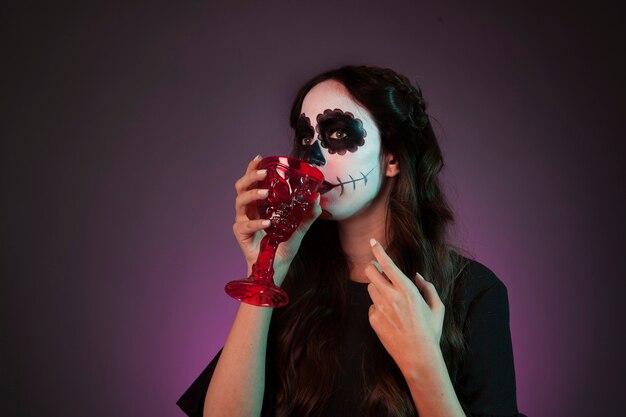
352	181
340	131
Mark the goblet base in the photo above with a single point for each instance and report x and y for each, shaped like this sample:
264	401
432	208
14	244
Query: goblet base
257	293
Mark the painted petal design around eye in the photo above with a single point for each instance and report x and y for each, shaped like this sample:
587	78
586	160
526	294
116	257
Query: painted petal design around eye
339	131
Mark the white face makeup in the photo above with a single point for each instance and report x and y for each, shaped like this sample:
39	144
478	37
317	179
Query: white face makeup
339	137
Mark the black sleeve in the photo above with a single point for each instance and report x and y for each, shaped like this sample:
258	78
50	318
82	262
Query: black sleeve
486	384
192	401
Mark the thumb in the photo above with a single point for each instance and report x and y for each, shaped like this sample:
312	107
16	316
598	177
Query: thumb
316	211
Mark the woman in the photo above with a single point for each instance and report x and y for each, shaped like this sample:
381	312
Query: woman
385	319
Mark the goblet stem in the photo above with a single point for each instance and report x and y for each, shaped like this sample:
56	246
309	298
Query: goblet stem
292	185
263	268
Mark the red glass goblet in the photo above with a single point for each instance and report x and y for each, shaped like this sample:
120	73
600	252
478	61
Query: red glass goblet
292	186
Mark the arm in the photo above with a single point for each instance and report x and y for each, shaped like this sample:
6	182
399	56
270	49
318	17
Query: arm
431	388
238	383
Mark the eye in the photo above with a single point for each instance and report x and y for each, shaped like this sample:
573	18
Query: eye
307	141
338	135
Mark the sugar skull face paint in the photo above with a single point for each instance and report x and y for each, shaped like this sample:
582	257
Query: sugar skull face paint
339	131
304	130
305	134
344	144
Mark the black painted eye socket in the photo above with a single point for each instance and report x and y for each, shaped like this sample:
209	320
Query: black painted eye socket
340	131
304	130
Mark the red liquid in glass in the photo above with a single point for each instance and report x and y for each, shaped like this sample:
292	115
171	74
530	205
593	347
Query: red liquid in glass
292	186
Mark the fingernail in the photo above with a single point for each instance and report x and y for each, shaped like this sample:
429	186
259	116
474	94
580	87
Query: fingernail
263	192
417	275
256	158
373	242
261	172
377	266
265	223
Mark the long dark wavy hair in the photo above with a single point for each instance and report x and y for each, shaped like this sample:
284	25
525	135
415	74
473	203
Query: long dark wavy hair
304	334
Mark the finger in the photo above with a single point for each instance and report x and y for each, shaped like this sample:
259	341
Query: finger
429	292
254	163
249	227
374	317
244	199
249	179
375	295
251	176
316	210
378	279
386	263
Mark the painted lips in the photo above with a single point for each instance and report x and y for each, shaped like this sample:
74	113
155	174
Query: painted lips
326	187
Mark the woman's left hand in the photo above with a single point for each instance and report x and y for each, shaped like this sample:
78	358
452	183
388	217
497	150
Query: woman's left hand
407	322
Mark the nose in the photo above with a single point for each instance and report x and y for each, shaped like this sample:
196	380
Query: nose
313	154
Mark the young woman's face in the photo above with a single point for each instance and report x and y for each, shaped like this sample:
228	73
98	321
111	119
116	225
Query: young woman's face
339	137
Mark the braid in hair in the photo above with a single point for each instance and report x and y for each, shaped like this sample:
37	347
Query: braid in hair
408	100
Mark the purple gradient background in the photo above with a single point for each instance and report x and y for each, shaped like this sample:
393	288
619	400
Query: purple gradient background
125	127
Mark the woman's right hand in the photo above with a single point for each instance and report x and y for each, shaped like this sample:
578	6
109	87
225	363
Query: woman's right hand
248	227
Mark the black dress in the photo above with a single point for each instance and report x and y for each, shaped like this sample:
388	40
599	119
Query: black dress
484	380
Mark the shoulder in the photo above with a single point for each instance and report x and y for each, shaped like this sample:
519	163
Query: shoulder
477	278
480	290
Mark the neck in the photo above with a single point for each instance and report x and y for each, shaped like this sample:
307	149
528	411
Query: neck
355	234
